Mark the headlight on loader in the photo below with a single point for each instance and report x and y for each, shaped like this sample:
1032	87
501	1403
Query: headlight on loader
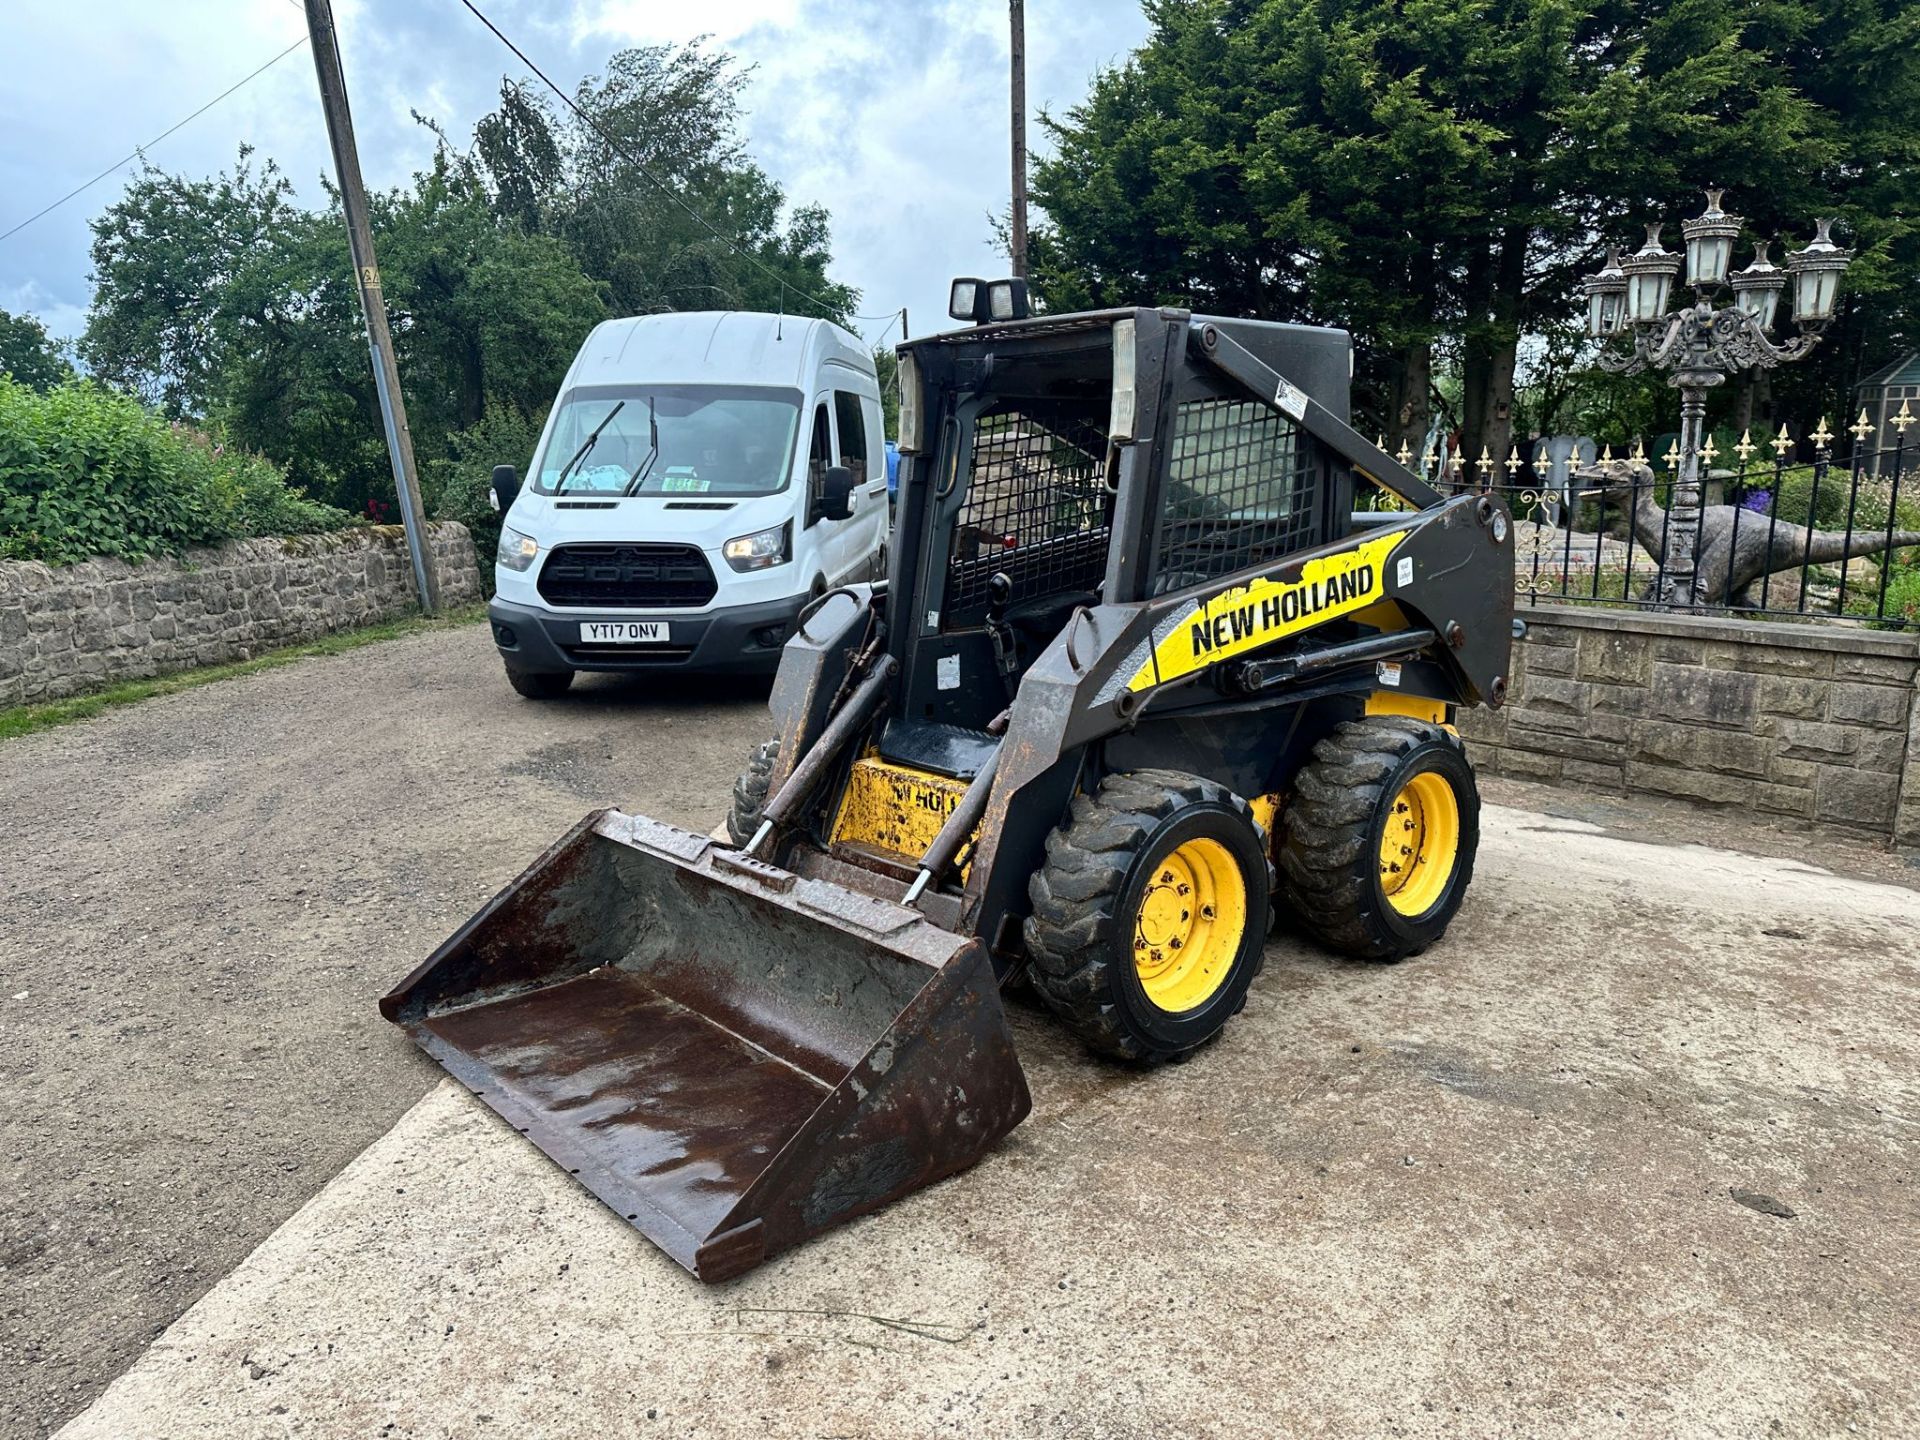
761	550
516	551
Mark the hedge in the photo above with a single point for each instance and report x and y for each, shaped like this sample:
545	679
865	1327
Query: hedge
86	471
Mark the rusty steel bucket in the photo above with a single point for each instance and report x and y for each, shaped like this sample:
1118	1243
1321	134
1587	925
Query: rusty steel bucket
733	1057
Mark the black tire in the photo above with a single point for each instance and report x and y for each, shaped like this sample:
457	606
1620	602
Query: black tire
1342	801
750	792
1087	905
540	684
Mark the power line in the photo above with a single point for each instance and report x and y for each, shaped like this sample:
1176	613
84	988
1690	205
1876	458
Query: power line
666	189
140	150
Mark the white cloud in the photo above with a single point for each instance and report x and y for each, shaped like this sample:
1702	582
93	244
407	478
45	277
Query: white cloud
892	113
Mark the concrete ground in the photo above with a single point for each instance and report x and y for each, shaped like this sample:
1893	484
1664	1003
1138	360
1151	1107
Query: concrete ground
1535	1182
204	896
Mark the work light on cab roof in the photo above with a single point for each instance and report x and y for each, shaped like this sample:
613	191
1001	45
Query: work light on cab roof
987	301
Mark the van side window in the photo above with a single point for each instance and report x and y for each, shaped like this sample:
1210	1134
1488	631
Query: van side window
854	447
820	454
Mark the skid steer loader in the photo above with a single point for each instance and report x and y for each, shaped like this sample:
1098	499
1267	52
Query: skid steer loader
1146	669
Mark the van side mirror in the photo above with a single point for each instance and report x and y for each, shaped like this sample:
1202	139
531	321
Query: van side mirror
506	485
836	494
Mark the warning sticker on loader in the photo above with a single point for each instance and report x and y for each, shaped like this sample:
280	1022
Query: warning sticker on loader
1249	616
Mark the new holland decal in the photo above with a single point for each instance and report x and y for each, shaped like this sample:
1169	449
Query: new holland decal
1263	611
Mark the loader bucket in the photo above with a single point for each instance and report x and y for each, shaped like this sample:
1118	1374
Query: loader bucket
733	1057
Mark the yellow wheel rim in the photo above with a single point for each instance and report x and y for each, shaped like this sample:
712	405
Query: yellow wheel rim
1189	926
1420	844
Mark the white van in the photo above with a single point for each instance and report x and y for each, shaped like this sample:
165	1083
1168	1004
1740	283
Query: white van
701	478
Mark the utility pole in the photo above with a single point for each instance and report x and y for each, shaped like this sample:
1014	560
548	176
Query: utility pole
1017	14
386	371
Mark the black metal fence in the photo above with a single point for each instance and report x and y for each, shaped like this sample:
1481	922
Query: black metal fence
1834	537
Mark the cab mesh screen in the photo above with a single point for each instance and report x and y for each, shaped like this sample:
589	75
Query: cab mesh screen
1239	492
1036	510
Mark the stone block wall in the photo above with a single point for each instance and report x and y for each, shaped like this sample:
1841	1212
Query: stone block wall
1809	722
72	628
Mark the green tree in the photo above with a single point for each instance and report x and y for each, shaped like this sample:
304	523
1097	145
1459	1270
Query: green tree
1421	172
639	189
164	255
31	356
224	299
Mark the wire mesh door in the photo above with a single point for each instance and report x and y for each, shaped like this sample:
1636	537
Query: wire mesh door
1036	509
1240	490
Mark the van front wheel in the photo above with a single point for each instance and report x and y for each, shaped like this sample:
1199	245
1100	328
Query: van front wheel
540	684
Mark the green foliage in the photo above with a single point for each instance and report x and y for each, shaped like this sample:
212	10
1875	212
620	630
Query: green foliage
1805	497
886	365
222	298
29	354
85	471
1902	600
1427	173
458	486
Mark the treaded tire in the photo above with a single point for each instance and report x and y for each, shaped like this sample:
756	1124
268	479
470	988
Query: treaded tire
1079	937
750	792
1332	826
540	684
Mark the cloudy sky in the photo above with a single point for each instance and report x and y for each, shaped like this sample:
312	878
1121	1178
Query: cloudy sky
892	113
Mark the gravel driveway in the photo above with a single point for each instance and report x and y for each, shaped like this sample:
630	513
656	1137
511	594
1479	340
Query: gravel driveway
1509	1187
205	894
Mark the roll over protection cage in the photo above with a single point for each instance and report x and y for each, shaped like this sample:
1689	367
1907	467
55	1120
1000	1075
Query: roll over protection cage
1302	373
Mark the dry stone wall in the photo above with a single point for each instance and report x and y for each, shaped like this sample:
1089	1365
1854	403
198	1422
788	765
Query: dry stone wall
72	628
1811	722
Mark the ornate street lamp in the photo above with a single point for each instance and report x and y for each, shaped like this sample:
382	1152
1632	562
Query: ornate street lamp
1607	297
1701	343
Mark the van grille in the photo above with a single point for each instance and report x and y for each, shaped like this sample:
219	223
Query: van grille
636	576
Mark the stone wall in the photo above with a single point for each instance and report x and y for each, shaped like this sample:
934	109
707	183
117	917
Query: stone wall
1810	722
72	628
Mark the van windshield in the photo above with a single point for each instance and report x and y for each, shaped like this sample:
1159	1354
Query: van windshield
669	440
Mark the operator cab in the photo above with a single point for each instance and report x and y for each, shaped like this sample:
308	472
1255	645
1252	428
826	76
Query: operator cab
1031	443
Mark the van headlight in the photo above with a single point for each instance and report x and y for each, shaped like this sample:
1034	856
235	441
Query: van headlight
761	550
516	551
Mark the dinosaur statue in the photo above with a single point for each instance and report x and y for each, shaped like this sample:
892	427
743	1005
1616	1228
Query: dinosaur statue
1728	564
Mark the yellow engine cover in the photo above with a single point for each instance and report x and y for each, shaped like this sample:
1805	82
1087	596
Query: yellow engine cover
894	808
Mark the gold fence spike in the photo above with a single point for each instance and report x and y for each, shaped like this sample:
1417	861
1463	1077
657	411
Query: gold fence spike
1746	447
1639	451
1672	457
1606	456
1903	419
1431	458
1781	443
1485	462
1403	454
1822	434
1861	428
1513	463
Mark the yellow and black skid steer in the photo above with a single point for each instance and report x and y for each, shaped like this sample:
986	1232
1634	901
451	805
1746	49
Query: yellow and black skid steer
1148	670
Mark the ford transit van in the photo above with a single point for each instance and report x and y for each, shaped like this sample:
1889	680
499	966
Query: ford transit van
700	479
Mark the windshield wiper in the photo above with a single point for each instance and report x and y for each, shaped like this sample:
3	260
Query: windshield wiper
641	471
560	480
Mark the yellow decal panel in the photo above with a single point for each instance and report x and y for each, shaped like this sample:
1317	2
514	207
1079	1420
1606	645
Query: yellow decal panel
893	808
1414	707
1249	616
